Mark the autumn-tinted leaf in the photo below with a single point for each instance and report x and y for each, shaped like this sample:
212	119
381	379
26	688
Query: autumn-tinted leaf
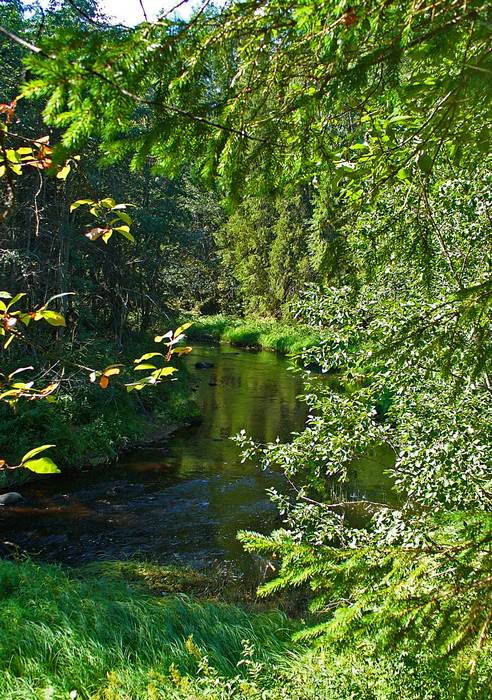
182	351
96	233
104	382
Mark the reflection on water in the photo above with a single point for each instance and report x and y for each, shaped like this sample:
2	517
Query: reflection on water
184	502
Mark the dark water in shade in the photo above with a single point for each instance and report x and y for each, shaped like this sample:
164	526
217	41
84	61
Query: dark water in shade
184	501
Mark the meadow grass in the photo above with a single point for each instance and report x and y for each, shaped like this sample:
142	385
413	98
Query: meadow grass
265	334
73	630
121	631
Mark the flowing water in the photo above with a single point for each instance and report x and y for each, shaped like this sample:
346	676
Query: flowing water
184	501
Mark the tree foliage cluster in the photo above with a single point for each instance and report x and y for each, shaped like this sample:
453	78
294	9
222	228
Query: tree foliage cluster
57	215
352	142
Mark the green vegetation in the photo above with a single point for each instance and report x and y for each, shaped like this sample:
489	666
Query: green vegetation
107	639
286	339
332	156
90	427
139	631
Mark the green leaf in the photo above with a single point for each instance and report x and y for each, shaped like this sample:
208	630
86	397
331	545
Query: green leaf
124	217
44	465
35	451
15	299
425	163
125	231
403	175
108	202
52	317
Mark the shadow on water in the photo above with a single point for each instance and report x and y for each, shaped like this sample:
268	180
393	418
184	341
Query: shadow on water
182	503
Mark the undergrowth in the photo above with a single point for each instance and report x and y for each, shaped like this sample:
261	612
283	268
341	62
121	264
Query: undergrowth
89	425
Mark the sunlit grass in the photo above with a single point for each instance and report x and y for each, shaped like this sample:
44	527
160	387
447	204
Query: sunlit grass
266	334
122	631
64	631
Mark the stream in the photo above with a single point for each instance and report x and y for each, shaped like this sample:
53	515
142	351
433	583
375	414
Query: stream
184	501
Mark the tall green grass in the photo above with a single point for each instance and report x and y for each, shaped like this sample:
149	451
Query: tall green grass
98	634
265	334
60	632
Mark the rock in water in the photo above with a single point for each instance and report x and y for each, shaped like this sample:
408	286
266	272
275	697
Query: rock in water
10	499
204	365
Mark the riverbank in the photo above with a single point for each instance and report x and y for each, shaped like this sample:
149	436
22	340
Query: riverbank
92	427
265	334
97	635
133	631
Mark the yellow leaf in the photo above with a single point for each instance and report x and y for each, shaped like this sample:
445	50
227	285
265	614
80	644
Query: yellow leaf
111	371
44	465
63	173
181	329
32	453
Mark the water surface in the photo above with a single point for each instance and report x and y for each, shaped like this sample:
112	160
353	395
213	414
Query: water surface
183	501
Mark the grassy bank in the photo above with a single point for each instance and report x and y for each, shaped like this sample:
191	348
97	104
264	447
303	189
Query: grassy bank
103	637
264	334
130	631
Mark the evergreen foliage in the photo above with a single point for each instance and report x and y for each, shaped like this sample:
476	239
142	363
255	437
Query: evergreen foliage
352	145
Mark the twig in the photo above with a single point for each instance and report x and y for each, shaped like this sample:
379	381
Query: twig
127	93
143	10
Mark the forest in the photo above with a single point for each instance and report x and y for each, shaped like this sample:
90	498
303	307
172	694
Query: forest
246	345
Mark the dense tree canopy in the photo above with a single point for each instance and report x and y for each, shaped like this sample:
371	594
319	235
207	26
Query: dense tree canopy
351	144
